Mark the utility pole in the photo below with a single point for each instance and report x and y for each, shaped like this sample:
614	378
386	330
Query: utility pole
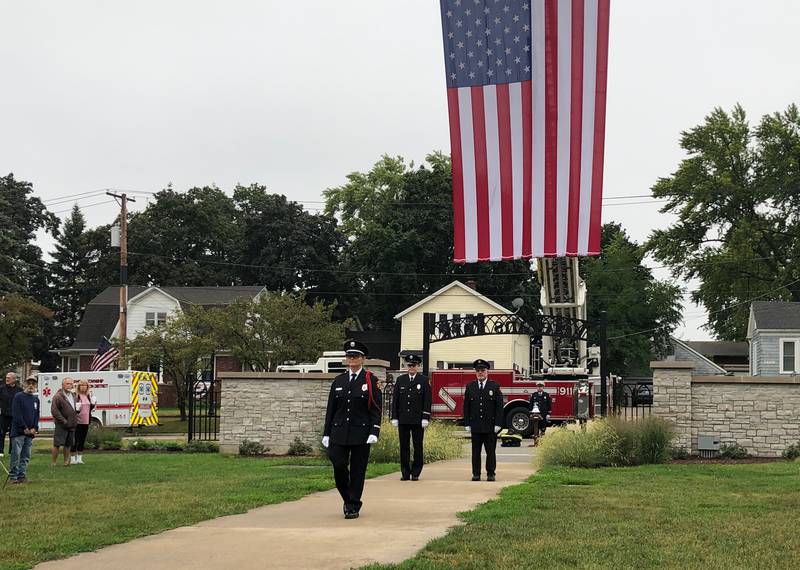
123	270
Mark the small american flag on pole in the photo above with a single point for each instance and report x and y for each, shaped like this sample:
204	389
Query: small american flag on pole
105	355
526	93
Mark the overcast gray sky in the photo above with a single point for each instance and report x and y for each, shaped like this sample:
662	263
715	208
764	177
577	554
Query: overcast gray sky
295	95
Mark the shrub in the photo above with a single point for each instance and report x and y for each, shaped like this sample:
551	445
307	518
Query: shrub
155	445
440	443
205	447
680	453
141	445
248	447
612	442
792	451
733	451
104	438
655	439
298	447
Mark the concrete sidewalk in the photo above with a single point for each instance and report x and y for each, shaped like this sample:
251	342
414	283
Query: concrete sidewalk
397	520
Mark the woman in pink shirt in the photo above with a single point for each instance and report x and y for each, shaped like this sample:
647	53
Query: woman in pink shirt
84	404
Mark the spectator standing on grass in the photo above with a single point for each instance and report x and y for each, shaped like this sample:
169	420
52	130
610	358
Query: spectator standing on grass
65	417
7	392
84	405
24	427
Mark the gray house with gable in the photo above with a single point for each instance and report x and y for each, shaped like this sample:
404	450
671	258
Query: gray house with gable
774	334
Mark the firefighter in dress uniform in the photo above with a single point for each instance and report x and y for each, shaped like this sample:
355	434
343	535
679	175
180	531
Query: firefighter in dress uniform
352	424
411	413
483	416
543	401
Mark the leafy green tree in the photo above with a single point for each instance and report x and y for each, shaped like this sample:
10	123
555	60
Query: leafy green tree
738	207
184	239
21	216
618	282
284	247
277	327
399	227
180	346
69	277
22	321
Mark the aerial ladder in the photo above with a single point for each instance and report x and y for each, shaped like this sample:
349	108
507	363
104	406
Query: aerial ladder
563	294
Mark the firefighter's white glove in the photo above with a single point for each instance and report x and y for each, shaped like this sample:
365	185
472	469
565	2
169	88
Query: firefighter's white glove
496	429
325	441
395	423
425	423
372	439
468	429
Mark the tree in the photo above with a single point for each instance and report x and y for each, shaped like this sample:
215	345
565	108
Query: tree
21	216
619	283
21	322
284	247
180	346
277	327
738	207
184	239
399	227
69	277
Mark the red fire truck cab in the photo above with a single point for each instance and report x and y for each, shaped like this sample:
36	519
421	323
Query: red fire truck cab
448	387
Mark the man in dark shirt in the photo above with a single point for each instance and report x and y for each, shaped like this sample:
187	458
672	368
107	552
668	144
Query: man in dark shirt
483	418
352	424
7	392
24	427
411	412
541	401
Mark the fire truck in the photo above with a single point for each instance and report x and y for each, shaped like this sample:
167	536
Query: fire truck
560	361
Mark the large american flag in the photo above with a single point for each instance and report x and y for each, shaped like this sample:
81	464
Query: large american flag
526	93
105	355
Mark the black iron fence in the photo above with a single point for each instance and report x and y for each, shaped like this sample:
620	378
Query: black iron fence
633	398
204	394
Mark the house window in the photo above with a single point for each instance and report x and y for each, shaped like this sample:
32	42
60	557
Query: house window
789	353
154	319
71	363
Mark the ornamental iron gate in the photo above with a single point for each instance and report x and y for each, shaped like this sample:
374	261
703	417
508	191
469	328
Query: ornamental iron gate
555	326
203	397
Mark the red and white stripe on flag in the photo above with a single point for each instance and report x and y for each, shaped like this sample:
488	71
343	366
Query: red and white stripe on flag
527	156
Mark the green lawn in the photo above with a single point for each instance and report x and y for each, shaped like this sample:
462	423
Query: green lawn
658	516
117	497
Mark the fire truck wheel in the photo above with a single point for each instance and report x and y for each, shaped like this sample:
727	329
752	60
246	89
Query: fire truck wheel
95	424
519	421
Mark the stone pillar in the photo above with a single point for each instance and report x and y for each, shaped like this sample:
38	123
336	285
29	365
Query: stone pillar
672	397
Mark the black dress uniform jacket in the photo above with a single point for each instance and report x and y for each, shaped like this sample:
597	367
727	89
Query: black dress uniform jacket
543	400
483	409
411	402
350	418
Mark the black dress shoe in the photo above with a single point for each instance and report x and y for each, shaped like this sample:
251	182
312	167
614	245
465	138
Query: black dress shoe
415	477
476	477
351	515
490	477
404	478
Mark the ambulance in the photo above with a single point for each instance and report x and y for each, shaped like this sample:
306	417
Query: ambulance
111	389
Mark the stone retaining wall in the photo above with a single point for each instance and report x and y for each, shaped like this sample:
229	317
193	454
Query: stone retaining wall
272	409
760	413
